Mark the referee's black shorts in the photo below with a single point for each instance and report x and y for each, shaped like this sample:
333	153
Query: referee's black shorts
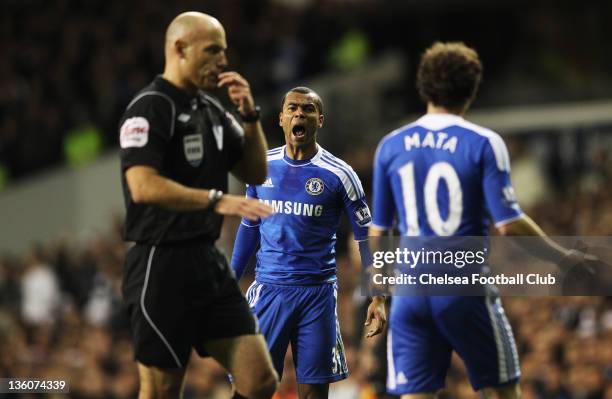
178	296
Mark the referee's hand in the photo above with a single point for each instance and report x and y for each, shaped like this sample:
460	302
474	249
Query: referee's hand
239	91
234	205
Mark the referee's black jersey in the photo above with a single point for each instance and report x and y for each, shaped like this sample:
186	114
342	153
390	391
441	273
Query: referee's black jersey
191	140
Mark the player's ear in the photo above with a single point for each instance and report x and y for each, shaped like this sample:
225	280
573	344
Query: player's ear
321	118
280	118
180	46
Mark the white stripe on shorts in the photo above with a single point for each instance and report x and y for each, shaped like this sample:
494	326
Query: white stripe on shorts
499	341
253	292
511	351
391	382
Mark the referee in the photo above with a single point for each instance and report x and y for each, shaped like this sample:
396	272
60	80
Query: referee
177	147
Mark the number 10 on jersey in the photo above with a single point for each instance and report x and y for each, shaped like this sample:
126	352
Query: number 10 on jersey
437	172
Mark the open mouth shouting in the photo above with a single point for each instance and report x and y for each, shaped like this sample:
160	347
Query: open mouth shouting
299	131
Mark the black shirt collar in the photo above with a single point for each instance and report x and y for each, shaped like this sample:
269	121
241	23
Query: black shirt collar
178	95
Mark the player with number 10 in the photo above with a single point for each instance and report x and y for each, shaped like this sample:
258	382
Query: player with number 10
444	176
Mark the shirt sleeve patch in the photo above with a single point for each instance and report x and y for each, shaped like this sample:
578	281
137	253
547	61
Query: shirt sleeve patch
134	132
362	216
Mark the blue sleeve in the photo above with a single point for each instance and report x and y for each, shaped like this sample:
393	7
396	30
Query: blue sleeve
365	253
383	206
498	191
247	239
244	247
356	207
251	192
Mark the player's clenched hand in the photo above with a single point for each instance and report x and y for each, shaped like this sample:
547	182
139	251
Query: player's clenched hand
239	91
376	317
234	205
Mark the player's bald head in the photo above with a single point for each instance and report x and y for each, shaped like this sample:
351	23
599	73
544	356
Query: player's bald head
189	25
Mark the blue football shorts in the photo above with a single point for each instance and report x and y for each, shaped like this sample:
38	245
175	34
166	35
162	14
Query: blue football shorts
306	317
423	332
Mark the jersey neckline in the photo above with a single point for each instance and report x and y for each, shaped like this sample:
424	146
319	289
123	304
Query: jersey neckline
438	121
302	162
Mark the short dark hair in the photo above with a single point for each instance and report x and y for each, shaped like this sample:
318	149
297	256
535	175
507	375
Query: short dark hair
305	90
449	75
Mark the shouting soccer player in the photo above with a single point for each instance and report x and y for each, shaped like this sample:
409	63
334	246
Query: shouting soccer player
294	293
445	176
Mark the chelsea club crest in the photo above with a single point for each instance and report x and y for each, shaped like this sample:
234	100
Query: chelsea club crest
314	186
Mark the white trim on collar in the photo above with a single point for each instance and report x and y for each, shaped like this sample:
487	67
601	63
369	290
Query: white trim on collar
315	158
438	121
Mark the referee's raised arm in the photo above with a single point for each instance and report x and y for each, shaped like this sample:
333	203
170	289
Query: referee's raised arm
253	168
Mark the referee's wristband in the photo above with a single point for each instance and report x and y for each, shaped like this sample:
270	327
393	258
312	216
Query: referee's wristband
214	196
253	116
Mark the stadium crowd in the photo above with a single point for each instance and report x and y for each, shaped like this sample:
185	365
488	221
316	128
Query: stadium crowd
71	66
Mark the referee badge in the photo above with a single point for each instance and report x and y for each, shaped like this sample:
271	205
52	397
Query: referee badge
314	186
193	145
134	132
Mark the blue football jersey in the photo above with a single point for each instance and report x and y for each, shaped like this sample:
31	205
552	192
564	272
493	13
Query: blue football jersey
309	196
443	176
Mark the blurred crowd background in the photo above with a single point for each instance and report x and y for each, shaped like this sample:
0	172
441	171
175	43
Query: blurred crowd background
61	317
70	67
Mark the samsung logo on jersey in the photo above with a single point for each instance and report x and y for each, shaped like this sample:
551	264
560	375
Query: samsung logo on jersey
439	142
295	208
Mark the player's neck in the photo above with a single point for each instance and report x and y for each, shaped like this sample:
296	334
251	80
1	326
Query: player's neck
300	153
436	109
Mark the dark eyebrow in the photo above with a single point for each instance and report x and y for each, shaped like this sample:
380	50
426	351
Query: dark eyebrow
302	104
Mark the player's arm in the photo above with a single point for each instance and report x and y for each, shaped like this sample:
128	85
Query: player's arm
360	218
503	207
247	239
252	168
383	206
147	186
245	246
541	246
375	231
376	314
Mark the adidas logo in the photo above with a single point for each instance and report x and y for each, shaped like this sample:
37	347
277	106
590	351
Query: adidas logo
268	183
401	378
